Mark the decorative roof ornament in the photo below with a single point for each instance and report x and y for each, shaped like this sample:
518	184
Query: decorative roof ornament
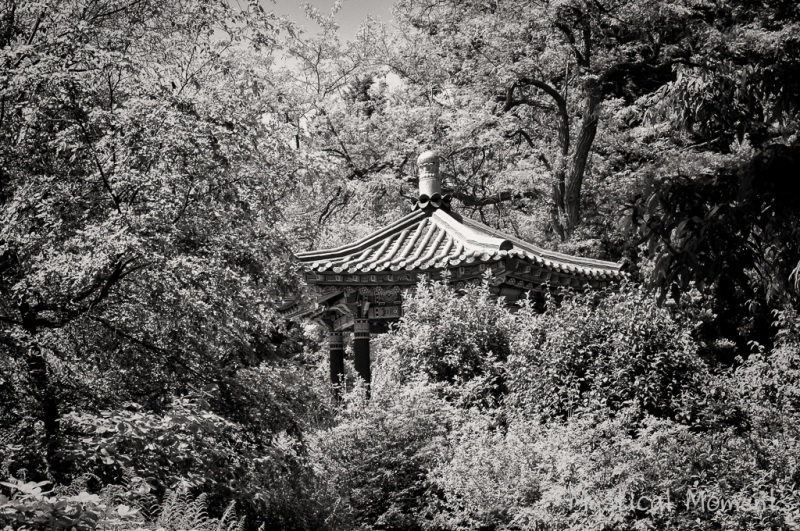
430	183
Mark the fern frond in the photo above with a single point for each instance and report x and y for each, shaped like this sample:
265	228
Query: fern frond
196	517
170	510
228	521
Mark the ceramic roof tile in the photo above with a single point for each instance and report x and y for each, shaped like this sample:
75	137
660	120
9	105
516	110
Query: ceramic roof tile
434	239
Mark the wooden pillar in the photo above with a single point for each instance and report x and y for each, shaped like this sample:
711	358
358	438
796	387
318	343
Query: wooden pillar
336	350
361	348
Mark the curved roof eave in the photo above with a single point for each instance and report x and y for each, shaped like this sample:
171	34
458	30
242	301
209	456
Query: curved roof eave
436	239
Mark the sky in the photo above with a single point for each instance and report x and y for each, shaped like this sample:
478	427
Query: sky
351	15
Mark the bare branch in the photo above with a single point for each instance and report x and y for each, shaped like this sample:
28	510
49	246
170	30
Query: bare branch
561	103
472	200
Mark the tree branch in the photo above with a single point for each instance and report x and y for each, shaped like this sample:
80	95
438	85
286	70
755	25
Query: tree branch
561	103
153	348
97	162
472	200
10	321
101	288
567	31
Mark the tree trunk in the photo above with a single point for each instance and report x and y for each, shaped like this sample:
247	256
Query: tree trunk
49	414
559	205
567	188
47	396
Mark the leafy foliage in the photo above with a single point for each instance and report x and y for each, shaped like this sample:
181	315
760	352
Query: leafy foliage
38	509
377	457
591	472
450	342
139	245
619	351
733	234
159	161
612	418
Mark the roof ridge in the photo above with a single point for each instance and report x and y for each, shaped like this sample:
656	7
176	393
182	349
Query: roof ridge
366	241
473	238
540	252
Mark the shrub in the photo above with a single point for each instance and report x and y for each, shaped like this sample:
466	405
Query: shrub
604	352
768	387
611	420
458	339
126	506
592	472
377	457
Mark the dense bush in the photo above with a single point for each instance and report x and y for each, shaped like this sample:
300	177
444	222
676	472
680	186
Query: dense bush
768	387
609	351
592	472
603	412
126	506
448	341
612	419
378	456
201	442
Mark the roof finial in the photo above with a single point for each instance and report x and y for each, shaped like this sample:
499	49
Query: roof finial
430	186
428	171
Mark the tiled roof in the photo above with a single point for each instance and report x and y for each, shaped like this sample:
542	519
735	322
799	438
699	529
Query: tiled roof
436	239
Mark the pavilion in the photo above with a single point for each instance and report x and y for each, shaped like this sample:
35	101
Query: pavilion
360	286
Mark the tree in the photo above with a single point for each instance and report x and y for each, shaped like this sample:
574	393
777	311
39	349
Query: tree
138	191
536	75
731	234
714	211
